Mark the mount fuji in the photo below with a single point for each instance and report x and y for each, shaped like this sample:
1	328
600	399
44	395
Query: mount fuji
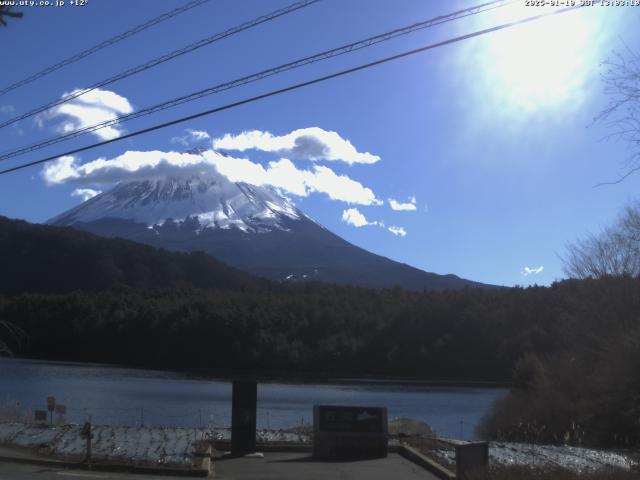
249	227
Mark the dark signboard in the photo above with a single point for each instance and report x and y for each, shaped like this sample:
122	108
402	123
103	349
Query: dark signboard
41	415
351	419
340	431
471	459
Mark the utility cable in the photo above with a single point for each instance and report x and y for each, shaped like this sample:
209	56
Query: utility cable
105	44
325	55
296	86
164	58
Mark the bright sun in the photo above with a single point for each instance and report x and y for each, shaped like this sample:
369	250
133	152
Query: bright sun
541	63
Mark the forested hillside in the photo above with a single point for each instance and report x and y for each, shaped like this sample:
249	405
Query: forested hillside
39	258
465	335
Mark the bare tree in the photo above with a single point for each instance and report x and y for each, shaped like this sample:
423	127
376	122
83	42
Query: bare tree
622	114
7	329
613	251
6	12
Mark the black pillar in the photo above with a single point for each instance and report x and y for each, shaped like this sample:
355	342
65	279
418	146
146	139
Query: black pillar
243	417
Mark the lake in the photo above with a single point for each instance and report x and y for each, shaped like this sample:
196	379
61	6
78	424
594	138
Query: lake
127	396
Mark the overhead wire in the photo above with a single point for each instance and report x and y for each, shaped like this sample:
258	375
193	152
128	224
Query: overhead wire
295	86
325	55
102	45
163	58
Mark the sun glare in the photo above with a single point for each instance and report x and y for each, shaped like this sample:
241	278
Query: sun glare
541	63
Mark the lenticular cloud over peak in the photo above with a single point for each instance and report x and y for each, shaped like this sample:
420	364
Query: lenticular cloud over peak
282	174
305	143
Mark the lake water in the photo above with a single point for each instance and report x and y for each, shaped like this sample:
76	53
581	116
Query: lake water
125	396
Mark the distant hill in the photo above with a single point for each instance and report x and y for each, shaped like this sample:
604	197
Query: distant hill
47	259
250	227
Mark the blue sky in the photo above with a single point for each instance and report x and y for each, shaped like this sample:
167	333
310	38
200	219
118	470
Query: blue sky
493	137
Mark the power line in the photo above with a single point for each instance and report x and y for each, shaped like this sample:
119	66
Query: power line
164	58
105	44
296	86
325	55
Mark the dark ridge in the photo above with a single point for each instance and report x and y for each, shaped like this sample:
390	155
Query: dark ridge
49	259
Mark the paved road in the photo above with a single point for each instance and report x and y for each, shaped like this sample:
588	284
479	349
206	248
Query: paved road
296	466
274	466
17	471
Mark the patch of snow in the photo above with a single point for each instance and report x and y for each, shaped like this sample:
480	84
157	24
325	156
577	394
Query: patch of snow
159	445
577	459
144	444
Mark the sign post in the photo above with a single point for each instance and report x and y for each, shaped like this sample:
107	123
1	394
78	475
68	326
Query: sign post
51	405
243	417
87	435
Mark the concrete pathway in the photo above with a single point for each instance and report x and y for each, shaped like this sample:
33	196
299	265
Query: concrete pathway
296	466
16	471
22	454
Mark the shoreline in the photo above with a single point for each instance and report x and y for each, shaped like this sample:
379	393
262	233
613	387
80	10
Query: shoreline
282	377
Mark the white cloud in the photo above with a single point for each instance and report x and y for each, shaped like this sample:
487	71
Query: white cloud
131	165
532	271
410	205
191	137
354	217
281	174
61	170
85	193
309	143
93	107
199	134
341	187
5	109
398	231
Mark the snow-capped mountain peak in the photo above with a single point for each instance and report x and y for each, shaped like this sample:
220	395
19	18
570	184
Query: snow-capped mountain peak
210	198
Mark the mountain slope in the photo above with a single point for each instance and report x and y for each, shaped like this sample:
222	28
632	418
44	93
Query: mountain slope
252	228
212	200
46	259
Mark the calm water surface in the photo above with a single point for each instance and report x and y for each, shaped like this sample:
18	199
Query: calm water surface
126	396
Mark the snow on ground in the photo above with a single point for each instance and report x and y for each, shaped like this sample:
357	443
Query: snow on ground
175	446
575	458
159	445
281	436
